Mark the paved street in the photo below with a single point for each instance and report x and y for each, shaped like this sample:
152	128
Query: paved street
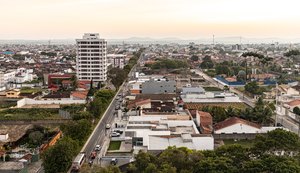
100	135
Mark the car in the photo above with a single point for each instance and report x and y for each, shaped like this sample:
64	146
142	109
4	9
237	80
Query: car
115	134
107	126
98	148
93	155
114	161
117	107
118	131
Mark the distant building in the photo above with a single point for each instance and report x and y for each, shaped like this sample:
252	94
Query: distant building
116	60
159	87
91	58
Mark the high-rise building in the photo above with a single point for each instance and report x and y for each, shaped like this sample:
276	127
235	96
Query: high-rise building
91	58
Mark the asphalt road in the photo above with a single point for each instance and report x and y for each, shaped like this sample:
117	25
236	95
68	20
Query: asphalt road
98	135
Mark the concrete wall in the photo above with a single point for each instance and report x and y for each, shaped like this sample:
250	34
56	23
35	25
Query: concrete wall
28	101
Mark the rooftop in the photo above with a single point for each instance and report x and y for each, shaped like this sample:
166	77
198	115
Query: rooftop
234	120
11	166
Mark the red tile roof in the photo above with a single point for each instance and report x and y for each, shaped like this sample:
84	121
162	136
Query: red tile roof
234	120
294	103
139	102
79	94
205	122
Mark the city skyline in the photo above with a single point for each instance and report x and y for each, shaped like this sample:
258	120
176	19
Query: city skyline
66	19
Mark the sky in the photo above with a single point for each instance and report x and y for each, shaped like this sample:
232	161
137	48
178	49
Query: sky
113	19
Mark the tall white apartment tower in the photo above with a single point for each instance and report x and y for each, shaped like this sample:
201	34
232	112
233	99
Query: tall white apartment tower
91	58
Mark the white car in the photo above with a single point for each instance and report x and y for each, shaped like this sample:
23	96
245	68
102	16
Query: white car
107	126
115	134
98	148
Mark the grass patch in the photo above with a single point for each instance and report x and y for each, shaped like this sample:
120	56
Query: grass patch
212	89
114	145
244	142
29	114
199	106
29	90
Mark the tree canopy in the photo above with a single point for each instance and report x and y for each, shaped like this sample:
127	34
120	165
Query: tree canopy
232	158
58	158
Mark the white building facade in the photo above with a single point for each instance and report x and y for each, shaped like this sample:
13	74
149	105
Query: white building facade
91	63
116	60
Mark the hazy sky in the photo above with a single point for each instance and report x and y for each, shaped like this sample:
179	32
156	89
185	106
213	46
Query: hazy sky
190	19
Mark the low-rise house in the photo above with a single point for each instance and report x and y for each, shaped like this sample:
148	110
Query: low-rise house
199	95
78	95
204	122
158	144
139	128
287	90
158	86
235	125
12	93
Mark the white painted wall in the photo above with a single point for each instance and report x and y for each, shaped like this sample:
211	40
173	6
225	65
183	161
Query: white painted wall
3	137
238	128
28	101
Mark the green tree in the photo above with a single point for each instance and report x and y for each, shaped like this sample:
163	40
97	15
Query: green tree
78	130
58	158
252	87
35	138
207	63
194	58
296	110
117	76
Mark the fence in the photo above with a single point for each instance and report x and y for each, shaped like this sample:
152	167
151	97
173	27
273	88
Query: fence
28	101
220	78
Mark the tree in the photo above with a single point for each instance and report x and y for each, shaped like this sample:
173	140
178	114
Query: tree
117	76
58	158
35	138
207	63
252	87
74	82
194	58
78	130
91	90
296	110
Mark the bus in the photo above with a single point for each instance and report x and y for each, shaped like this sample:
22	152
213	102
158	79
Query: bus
78	161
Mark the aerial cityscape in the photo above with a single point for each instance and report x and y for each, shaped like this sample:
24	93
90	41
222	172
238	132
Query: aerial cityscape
170	86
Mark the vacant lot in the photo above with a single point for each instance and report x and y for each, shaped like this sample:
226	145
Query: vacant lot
199	106
244	142
29	114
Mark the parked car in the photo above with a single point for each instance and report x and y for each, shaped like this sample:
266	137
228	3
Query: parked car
114	161
115	134
118	131
107	126
98	148
93	155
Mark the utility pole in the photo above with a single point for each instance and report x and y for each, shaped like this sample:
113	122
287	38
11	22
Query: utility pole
276	102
